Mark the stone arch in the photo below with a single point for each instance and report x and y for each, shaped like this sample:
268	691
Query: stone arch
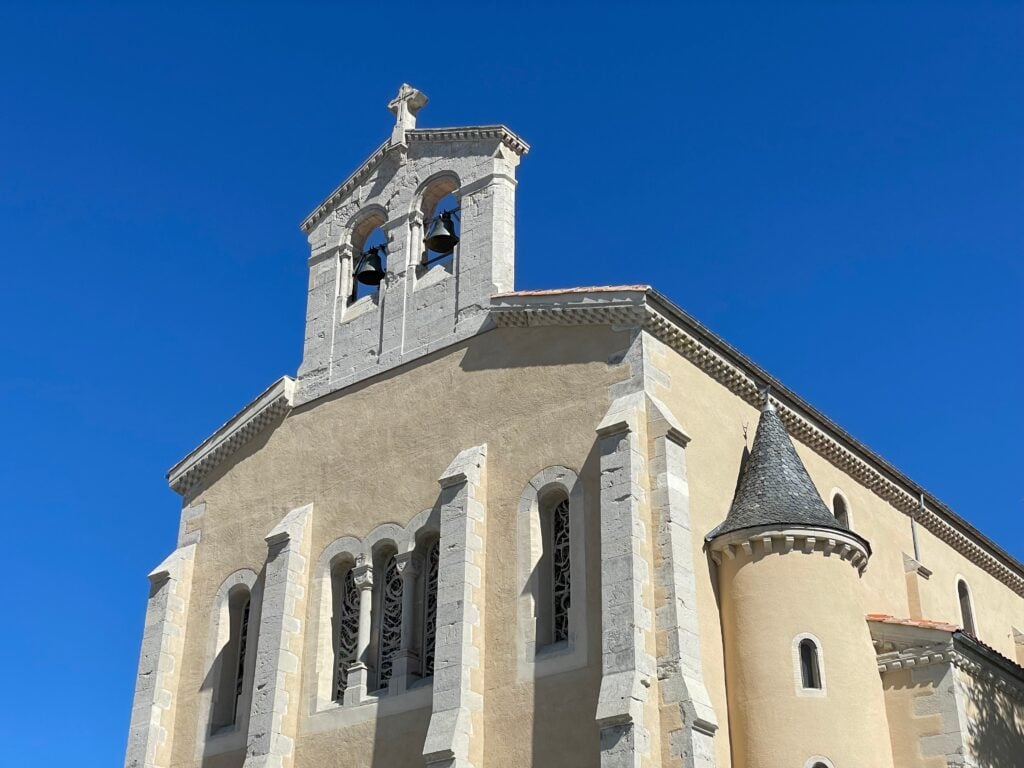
801	642
550	484
215	737
346	551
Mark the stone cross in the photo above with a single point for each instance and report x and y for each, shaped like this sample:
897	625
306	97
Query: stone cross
404	106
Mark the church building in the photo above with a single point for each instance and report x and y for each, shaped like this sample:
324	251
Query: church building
490	528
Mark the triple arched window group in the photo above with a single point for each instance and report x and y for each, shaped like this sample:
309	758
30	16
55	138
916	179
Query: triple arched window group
384	617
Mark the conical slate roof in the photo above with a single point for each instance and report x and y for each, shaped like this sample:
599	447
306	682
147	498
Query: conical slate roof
774	487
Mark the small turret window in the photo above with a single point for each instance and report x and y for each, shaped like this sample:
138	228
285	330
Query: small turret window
810	673
966	609
841	510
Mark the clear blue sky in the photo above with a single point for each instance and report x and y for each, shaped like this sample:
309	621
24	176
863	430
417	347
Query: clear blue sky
838	191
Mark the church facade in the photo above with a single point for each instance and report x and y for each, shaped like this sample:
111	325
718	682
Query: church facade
488	527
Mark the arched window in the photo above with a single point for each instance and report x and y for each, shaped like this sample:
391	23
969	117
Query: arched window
344	625
553	572
966	610
233	679
428	637
810	671
369	253
841	510
389	621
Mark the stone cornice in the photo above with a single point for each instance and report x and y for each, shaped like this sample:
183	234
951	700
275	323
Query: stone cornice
236	432
906	644
643	306
472	133
764	541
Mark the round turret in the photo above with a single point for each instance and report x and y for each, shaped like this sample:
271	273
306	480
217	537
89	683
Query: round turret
798	654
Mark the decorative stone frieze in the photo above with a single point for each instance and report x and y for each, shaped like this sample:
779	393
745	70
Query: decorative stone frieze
273	403
759	542
273	718
154	709
456	732
624	306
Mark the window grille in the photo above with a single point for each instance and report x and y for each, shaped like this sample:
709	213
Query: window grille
391	622
430	608
243	635
348	633
560	577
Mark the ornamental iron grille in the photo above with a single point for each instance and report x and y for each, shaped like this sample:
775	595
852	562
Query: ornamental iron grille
243	635
390	622
430	608
560	578
348	634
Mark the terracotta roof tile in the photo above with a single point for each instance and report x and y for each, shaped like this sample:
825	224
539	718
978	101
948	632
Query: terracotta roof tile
589	289
885	618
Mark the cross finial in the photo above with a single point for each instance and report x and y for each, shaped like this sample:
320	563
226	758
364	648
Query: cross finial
404	106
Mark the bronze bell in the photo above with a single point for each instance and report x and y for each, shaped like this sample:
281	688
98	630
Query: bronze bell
441	238
370	271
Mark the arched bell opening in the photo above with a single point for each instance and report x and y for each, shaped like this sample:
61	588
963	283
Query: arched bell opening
441	223
369	257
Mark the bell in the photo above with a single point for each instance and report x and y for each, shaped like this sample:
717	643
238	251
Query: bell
441	238
370	271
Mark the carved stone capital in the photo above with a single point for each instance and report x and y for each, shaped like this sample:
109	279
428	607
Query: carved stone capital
362	576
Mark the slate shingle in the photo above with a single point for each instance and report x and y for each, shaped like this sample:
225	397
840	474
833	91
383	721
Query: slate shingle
774	488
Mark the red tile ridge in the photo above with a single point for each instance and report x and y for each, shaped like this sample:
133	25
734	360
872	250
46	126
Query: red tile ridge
588	289
885	618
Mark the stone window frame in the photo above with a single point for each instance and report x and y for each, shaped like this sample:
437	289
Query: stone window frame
422	210
971	604
231	737
846	502
797	671
572	653
359	227
813	762
322	711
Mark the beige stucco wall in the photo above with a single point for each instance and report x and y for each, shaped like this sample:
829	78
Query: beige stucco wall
372	455
714	418
912	717
767	602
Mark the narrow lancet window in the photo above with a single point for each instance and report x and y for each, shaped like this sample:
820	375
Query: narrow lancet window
232	676
390	641
346	629
810	673
430	608
560	578
840	510
966	610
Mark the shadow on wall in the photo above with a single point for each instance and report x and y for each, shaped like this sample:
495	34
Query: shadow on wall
995	728
570	698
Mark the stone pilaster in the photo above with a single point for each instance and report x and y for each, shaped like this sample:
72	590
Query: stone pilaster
156	685
406	663
273	719
688	719
455	736
359	673
628	668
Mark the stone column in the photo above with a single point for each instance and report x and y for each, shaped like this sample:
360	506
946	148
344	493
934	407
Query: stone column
456	732
156	686
273	718
628	670
359	673
688	719
325	275
405	666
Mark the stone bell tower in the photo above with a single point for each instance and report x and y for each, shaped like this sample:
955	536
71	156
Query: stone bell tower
419	307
